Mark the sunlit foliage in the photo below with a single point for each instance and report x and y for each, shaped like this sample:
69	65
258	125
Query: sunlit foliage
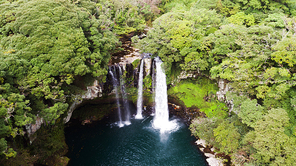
249	43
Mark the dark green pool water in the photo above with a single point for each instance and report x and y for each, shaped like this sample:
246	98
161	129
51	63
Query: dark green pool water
137	145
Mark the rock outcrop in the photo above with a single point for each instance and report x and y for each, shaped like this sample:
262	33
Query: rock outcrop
147	67
32	128
209	153
184	75
92	92
223	89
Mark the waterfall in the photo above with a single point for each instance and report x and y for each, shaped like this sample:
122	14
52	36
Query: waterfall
124	96
115	85
153	85
161	118
140	93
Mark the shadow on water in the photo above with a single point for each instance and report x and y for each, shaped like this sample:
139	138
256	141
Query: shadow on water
104	143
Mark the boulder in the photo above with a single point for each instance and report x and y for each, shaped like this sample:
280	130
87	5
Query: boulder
201	142
214	161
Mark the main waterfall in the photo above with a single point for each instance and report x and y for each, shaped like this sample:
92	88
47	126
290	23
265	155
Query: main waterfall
161	118
140	93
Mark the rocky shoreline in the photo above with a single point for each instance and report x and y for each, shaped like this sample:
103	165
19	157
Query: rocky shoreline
187	114
212	157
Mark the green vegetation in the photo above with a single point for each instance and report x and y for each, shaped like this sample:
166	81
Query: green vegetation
249	43
126	16
201	94
50	144
176	36
133	95
136	63
47	47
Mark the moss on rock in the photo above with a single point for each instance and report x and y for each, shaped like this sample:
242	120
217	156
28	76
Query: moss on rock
200	93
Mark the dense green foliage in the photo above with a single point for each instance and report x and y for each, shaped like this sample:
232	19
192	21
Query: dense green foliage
127	16
176	36
44	46
249	43
201	94
50	143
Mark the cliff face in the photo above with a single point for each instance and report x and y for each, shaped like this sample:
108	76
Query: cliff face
131	71
102	88
102	93
32	128
92	92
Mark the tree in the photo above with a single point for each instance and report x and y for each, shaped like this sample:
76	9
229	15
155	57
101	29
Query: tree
249	63
203	128
128	15
250	112
273	146
241	18
176	36
44	46
227	135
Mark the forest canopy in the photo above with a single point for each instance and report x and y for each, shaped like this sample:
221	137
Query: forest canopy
251	45
45	45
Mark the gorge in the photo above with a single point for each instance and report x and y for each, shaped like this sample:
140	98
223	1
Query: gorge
158	140
117	80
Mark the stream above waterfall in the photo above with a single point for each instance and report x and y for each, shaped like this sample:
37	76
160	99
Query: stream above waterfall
104	143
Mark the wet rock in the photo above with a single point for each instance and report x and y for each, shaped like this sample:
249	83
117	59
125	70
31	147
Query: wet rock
86	121
77	101
129	58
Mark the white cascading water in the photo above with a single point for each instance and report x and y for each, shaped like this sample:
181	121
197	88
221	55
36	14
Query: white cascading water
153	85
125	102
140	93
161	118
115	85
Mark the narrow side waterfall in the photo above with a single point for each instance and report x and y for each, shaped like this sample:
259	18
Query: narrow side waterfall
115	86
140	93
124	97
161	118
153	86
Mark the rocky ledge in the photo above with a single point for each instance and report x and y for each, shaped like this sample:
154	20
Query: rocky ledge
212	157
